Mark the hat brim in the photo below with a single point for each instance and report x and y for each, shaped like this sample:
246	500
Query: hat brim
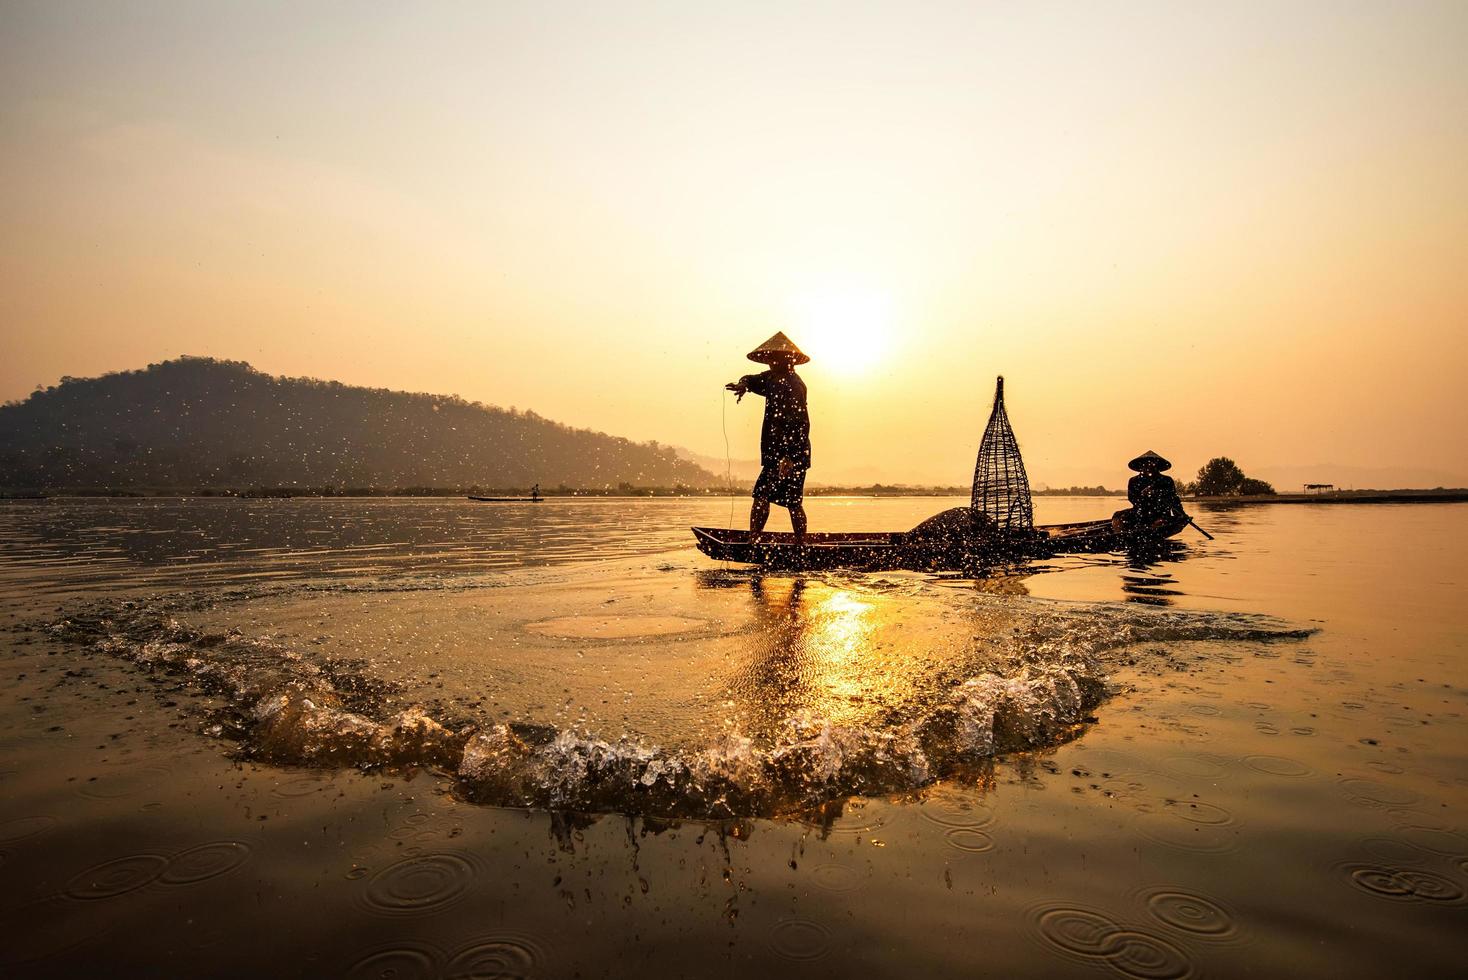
1155	462
774	356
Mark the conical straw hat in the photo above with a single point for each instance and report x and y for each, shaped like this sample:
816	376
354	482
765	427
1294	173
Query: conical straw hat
1150	457
778	347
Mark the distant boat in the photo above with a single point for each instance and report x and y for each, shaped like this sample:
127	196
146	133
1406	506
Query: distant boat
534	498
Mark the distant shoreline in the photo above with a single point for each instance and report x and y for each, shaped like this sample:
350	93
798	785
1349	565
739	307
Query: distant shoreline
1438	496
622	490
1455	495
286	493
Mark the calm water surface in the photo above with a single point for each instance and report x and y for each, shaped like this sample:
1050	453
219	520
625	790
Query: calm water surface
438	738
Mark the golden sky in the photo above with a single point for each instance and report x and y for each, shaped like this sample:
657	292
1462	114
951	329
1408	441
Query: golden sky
1232	228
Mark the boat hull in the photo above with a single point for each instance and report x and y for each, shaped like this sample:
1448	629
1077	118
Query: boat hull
892	549
780	550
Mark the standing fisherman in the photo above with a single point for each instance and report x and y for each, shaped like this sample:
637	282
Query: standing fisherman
784	441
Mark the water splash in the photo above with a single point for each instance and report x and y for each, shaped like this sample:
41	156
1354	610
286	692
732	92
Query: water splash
1031	686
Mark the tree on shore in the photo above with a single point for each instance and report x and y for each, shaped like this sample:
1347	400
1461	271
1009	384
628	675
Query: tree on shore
1218	477
1222	477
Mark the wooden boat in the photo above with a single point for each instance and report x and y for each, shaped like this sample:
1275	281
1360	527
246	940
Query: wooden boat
1102	535
507	500
778	549
893	549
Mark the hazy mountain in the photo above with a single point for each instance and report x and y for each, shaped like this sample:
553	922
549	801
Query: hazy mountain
199	422
738	469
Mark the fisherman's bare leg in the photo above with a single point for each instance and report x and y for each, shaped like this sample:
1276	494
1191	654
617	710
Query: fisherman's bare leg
797	519
759	512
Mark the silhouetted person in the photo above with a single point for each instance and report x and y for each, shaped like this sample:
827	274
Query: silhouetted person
1153	496
784	442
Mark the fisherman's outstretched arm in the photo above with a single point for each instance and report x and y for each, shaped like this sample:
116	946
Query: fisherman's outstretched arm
757	383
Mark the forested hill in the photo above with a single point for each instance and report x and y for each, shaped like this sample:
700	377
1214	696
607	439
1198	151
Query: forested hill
198	423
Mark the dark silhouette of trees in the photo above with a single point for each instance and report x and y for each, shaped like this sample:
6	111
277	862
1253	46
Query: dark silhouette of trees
199	422
1222	477
1218	477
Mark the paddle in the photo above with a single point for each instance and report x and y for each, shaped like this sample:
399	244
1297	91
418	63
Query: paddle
1200	530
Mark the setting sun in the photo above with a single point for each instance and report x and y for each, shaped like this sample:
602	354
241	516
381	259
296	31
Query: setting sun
846	328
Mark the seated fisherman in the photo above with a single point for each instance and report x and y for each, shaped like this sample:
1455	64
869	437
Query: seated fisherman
784	442
1153	496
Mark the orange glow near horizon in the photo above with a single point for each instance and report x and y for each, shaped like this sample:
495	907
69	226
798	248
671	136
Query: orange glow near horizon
1238	230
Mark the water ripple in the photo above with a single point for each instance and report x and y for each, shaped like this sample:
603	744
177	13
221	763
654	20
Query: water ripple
947	808
398	961
206	861
418	885
300	786
24	828
1091	936
800	939
1196	811
1192	913
117	877
836	877
969	839
1168	829
1277	765
1403	885
1368	792
498	957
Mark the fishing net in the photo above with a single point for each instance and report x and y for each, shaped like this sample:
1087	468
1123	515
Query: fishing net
1001	488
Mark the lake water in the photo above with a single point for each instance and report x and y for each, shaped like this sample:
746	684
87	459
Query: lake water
440	738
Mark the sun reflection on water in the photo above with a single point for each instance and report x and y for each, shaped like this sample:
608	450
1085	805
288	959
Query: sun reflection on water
823	653
841	628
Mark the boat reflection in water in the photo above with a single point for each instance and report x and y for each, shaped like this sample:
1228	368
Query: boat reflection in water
1150	590
1143	579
